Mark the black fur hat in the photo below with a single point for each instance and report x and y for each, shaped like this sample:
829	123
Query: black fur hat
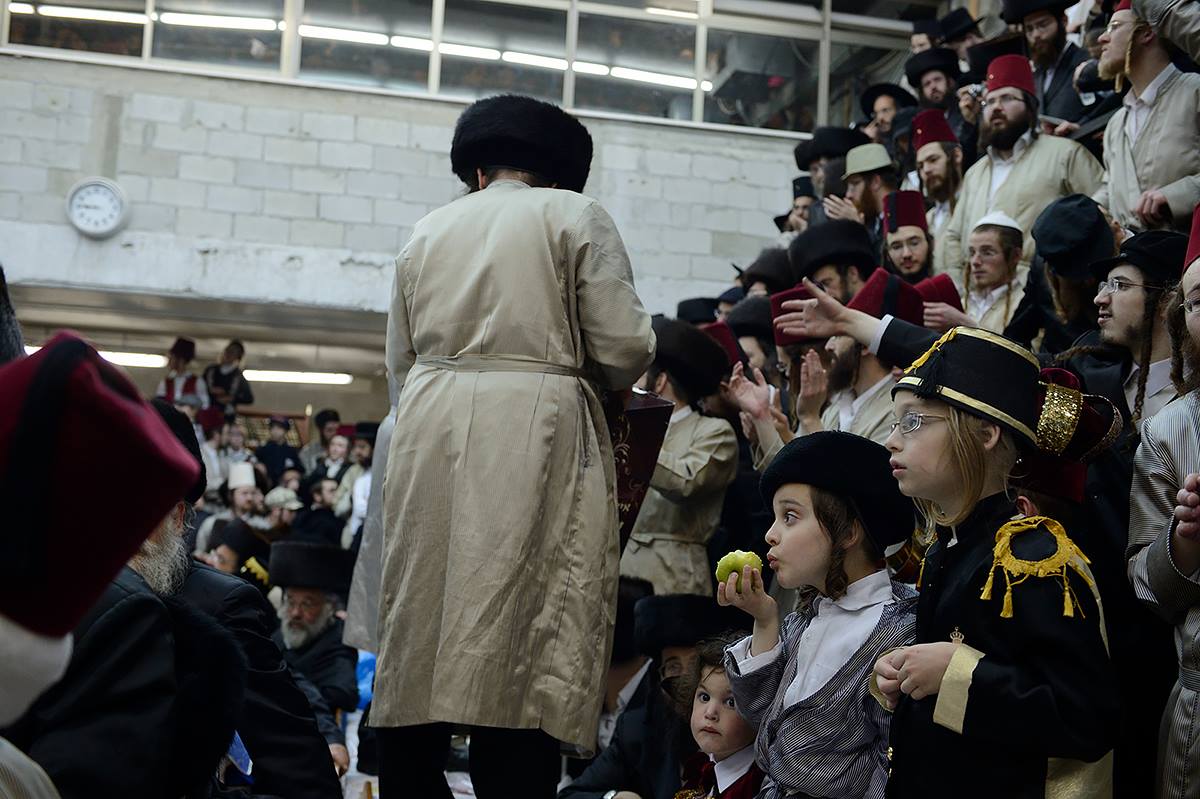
691	356
519	132
304	564
186	433
11	344
682	620
630	591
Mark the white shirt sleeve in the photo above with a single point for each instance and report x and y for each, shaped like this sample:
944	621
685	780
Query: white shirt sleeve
748	663
880	329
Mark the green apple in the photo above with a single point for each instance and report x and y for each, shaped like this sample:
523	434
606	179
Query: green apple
734	562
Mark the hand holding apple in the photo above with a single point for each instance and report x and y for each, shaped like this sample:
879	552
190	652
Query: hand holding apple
734	562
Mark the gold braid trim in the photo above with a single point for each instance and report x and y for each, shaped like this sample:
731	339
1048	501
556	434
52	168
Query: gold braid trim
255	568
691	793
1016	571
937	345
1059	418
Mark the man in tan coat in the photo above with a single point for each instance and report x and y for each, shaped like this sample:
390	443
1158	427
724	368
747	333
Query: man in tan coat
1020	173
1152	144
697	463
512	307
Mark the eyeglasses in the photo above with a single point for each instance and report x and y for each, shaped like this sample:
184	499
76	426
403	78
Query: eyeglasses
1003	99
911	422
672	668
1191	307
1116	284
1112	26
306	605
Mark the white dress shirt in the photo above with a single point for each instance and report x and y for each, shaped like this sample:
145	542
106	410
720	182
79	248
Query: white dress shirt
848	404
608	718
1001	167
1159	388
680	415
1139	106
732	768
980	302
836	632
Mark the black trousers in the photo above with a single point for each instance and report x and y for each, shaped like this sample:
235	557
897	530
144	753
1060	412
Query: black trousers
504	763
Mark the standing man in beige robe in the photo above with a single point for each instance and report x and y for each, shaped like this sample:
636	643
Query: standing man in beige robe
1020	172
1152	144
512	307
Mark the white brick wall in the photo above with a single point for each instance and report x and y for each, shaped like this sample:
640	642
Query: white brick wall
241	190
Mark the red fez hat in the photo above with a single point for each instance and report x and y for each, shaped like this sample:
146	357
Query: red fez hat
777	301
1124	5
1193	250
931	125
939	288
886	293
65	414
901	208
723	335
1010	71
346	430
1073	428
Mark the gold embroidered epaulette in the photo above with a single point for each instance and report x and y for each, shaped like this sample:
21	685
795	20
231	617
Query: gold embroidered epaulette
256	570
1066	557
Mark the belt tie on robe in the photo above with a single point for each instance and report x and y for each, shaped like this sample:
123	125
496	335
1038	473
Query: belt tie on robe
499	363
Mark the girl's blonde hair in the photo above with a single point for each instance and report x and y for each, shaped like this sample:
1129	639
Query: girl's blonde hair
971	462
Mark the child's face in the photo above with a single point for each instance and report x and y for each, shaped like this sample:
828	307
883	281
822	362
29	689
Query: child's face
800	549
921	458
338	445
718	729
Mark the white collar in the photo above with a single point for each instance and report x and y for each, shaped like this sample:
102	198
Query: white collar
1150	93
874	589
869	393
731	769
1158	379
631	687
681	414
1021	146
991	295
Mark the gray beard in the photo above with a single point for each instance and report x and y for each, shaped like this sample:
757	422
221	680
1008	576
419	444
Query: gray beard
296	638
163	564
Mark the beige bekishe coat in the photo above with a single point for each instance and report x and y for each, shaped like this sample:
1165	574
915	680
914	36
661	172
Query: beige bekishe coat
510	307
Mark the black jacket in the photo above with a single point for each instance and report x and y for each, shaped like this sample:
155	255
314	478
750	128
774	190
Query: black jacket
1043	689
291	757
1061	100
1142	646
148	703
319	525
328	664
647	748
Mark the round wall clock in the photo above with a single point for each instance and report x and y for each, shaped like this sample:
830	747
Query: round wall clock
97	207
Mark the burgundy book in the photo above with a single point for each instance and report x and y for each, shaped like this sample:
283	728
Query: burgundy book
637	424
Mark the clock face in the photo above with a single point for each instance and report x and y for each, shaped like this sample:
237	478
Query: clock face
96	207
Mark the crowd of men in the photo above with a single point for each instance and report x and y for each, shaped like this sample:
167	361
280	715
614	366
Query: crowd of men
1043	194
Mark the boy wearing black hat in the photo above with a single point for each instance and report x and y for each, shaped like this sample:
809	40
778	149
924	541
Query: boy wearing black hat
226	383
697	463
180	381
277	454
326	424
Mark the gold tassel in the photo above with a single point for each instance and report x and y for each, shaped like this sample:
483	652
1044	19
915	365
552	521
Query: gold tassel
987	587
1006	612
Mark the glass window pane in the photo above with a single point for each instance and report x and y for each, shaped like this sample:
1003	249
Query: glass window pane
852	68
636	67
100	26
489	48
761	81
368	42
241	32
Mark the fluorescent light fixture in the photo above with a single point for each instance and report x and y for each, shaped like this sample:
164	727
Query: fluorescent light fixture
141	360
217	21
412	43
706	85
95	14
467	51
588	68
342	35
658	78
311	378
531	60
670	12
21	8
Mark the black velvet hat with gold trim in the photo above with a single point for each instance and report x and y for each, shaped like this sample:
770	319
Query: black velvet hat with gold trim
983	374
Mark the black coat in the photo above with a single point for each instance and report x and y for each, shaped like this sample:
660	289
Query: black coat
1044	688
291	757
328	664
1061	100
319	525
148	703
1142	645
647	748
278	458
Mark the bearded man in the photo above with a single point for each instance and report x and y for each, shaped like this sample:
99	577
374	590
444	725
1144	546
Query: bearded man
1021	172
1044	23
1152	144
